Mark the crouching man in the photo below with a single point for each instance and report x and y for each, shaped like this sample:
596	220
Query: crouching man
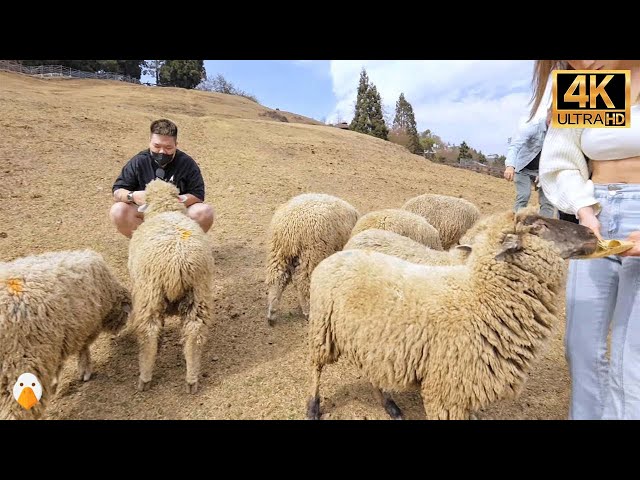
161	160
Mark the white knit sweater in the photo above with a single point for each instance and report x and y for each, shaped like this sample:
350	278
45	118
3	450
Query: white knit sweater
564	173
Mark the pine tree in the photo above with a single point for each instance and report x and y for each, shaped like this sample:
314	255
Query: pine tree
405	122
359	121
464	151
376	117
182	73
368	117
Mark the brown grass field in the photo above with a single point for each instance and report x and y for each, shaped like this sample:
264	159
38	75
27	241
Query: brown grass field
64	143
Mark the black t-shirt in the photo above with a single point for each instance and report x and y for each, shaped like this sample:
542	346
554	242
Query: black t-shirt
183	172
535	163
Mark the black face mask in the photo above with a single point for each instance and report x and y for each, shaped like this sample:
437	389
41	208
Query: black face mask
161	159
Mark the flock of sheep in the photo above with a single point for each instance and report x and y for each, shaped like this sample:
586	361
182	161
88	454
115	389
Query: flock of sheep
431	295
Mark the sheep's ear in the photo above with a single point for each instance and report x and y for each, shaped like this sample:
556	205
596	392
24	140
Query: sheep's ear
464	249
539	226
142	208
510	244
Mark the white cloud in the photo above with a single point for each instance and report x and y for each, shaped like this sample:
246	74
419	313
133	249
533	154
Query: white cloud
482	102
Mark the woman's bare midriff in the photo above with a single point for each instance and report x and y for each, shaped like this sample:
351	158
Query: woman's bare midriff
626	170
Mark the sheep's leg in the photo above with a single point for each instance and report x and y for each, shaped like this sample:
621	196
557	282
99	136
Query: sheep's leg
56	380
458	413
196	314
303	298
313	405
147	320
302	281
84	363
148	340
437	408
389	405
275	293
278	277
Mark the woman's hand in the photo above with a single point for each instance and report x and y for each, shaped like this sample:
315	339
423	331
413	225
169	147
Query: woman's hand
588	218
508	173
635	250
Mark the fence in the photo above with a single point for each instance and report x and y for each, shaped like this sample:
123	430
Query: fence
492	170
48	71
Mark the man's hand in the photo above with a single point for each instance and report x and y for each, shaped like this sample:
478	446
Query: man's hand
635	250
588	218
188	199
508	173
139	197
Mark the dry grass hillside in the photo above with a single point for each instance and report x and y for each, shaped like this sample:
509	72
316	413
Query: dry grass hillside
64	143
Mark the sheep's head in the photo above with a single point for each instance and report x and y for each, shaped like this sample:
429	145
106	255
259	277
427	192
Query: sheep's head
119	313
569	239
160	197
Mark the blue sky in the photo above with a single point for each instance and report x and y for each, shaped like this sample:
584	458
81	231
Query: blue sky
294	86
482	102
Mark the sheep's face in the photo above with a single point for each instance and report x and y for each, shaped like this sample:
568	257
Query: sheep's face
570	239
119	313
161	196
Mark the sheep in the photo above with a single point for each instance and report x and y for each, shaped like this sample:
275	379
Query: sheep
402	222
451	216
171	266
391	243
465	335
303	231
52	306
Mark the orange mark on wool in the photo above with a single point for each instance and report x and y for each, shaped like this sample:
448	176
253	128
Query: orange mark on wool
184	233
15	286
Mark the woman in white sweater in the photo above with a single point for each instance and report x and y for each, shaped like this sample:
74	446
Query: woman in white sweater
604	293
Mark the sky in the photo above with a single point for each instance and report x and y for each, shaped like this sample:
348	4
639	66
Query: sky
481	102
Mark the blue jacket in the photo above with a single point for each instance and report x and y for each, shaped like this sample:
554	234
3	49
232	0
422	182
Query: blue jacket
526	144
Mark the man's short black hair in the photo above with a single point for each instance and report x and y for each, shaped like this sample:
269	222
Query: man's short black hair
164	127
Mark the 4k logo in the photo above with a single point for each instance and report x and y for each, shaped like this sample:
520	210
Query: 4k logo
591	98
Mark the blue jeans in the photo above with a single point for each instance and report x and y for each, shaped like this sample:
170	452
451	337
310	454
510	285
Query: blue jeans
604	294
523	180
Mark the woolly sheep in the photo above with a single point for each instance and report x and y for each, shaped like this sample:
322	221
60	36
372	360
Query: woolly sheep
171	267
451	216
476	230
401	222
466	335
303	231
53	305
403	247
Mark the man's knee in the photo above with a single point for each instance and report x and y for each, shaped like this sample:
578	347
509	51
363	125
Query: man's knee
125	217
203	214
119	213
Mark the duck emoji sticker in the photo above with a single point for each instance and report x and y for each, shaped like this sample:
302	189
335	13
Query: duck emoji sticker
27	391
